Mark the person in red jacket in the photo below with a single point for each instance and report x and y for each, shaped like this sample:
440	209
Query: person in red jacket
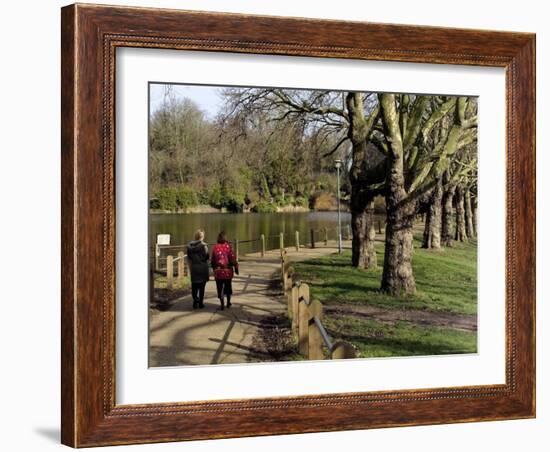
225	265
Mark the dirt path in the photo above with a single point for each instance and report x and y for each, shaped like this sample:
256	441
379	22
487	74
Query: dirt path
183	336
422	318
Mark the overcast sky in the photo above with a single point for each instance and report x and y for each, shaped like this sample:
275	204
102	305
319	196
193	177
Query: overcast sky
207	98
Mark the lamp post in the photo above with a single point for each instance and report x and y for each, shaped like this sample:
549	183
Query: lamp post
338	164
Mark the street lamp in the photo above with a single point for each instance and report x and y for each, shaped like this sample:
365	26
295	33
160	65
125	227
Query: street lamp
338	165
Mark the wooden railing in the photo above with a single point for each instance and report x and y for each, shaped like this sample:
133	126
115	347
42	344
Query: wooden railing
316	237
306	315
182	268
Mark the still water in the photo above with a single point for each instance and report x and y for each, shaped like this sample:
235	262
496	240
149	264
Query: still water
248	226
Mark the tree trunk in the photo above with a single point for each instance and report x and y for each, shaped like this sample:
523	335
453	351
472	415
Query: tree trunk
397	277
432	228
460	234
468	214
362	225
447	216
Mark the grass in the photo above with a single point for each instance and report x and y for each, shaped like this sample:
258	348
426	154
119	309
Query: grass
380	339
446	282
178	284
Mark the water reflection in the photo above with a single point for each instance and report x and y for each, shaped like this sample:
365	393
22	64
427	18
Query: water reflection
248	226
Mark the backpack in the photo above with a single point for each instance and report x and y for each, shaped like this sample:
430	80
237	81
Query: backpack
221	257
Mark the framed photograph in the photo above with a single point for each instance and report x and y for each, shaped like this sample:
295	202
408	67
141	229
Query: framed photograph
281	225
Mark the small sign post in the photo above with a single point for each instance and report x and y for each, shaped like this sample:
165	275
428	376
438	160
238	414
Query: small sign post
162	239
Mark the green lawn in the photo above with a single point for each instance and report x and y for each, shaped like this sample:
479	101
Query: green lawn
380	339
446	280
446	283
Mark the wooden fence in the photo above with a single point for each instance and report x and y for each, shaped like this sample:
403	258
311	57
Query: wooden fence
306	315
181	268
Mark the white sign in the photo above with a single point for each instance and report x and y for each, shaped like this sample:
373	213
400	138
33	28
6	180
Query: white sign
163	239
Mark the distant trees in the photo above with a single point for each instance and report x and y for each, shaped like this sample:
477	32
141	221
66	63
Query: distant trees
232	161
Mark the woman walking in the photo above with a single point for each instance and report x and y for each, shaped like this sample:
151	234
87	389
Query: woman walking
197	256
224	263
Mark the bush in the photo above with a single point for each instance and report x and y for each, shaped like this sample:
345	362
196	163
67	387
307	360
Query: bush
301	201
264	207
323	201
186	197
167	199
154	203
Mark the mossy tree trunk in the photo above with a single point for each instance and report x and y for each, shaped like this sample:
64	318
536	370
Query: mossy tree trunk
397	276
432	225
460	232
362	226
468	214
362	178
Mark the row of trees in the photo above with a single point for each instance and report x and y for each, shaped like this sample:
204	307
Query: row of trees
418	151
232	161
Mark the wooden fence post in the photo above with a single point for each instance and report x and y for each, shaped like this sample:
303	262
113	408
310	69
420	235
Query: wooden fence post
342	350
315	340
294	299
169	272
262	239
289	273
312	235
151	284
326	236
282	242
303	319
349	232
236	248
297	240
181	266
157	257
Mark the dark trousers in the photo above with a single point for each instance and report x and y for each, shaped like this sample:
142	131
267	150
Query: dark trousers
197	291
224	287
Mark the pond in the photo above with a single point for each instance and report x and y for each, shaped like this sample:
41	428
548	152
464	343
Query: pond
248	226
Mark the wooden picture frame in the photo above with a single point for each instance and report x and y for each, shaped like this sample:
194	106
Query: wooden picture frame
90	36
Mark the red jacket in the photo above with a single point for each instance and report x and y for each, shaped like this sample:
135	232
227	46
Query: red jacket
223	261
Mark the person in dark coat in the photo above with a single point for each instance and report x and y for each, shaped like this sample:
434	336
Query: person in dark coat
197	257
224	262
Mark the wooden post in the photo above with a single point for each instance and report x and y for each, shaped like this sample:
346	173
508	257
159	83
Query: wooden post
262	239
294	296
315	340
326	236
303	319
289	305
236	248
169	272
297	240
151	284
282	242
181	266
289	273
157	256
349	232
312	235
343	350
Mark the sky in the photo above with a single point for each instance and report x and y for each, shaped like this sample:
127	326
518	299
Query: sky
206	97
